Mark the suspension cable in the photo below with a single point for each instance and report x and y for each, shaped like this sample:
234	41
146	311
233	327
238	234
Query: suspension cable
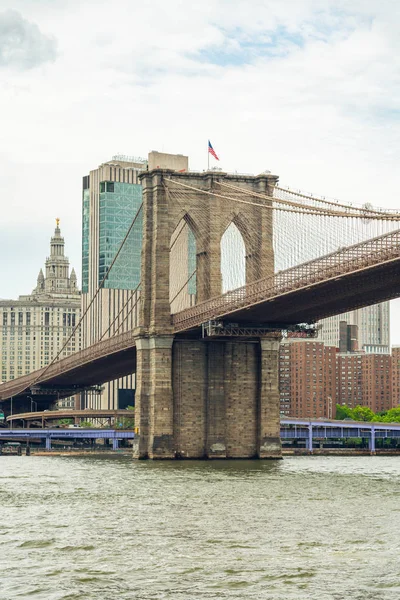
100	286
305	210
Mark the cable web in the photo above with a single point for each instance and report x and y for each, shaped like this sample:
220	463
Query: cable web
300	236
296	228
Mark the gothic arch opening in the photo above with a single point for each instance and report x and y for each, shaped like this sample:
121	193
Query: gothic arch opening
233	259
182	268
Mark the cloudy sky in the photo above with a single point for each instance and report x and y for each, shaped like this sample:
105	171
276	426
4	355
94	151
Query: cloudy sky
308	89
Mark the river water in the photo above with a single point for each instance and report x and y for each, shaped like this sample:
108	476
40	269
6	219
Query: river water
111	528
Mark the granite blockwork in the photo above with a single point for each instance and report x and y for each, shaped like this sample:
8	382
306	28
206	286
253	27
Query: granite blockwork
203	398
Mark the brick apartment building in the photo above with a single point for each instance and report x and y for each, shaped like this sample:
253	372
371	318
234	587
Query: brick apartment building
307	379
314	377
396	375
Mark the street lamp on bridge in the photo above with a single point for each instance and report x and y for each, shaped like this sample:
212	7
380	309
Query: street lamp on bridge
32	402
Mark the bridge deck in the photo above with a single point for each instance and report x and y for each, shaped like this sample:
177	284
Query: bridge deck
353	277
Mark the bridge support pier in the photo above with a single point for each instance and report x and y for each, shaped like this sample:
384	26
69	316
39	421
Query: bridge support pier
269	426
207	399
154	398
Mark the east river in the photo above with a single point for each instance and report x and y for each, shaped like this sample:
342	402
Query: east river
110	528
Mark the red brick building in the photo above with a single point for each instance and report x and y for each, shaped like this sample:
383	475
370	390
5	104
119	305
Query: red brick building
307	379
349	384
314	377
396	375
377	381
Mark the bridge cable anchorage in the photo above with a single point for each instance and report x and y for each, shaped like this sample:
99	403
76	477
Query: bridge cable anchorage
44	370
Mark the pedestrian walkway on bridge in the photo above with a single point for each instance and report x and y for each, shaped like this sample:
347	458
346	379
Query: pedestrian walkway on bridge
309	430
115	435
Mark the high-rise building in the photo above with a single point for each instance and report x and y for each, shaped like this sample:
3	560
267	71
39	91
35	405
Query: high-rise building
377	381
307	379
34	328
365	380
313	378
395	376
111	201
373	325
349	380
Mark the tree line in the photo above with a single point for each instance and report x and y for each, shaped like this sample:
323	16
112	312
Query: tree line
364	413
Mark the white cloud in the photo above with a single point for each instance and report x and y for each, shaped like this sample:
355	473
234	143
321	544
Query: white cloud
22	44
306	88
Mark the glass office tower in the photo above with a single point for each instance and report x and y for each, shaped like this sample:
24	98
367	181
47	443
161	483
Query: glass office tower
118	207
111	201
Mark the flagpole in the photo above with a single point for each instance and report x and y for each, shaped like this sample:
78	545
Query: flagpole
208	157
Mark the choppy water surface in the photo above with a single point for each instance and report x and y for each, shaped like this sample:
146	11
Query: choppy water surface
98	528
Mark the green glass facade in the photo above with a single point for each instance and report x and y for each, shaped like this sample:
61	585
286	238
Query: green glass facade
118	205
85	240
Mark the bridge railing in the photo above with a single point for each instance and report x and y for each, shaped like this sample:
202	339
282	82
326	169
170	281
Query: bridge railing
343	261
106	347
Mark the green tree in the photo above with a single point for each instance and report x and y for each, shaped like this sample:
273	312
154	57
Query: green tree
65	422
363	413
86	424
343	412
127	422
391	416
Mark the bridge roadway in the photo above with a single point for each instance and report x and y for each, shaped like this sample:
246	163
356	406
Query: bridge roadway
350	278
308	430
76	415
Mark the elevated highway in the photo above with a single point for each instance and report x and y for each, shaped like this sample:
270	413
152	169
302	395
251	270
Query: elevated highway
76	415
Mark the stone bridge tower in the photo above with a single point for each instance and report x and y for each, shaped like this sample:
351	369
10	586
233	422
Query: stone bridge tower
203	397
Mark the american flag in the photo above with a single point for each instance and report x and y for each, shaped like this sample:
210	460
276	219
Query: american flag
212	151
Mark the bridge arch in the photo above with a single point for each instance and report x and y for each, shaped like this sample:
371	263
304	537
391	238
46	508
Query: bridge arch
182	265
233	258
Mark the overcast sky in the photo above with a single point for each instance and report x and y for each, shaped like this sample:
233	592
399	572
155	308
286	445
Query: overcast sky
308	89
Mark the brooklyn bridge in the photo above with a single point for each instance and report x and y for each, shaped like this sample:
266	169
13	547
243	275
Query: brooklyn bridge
201	331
